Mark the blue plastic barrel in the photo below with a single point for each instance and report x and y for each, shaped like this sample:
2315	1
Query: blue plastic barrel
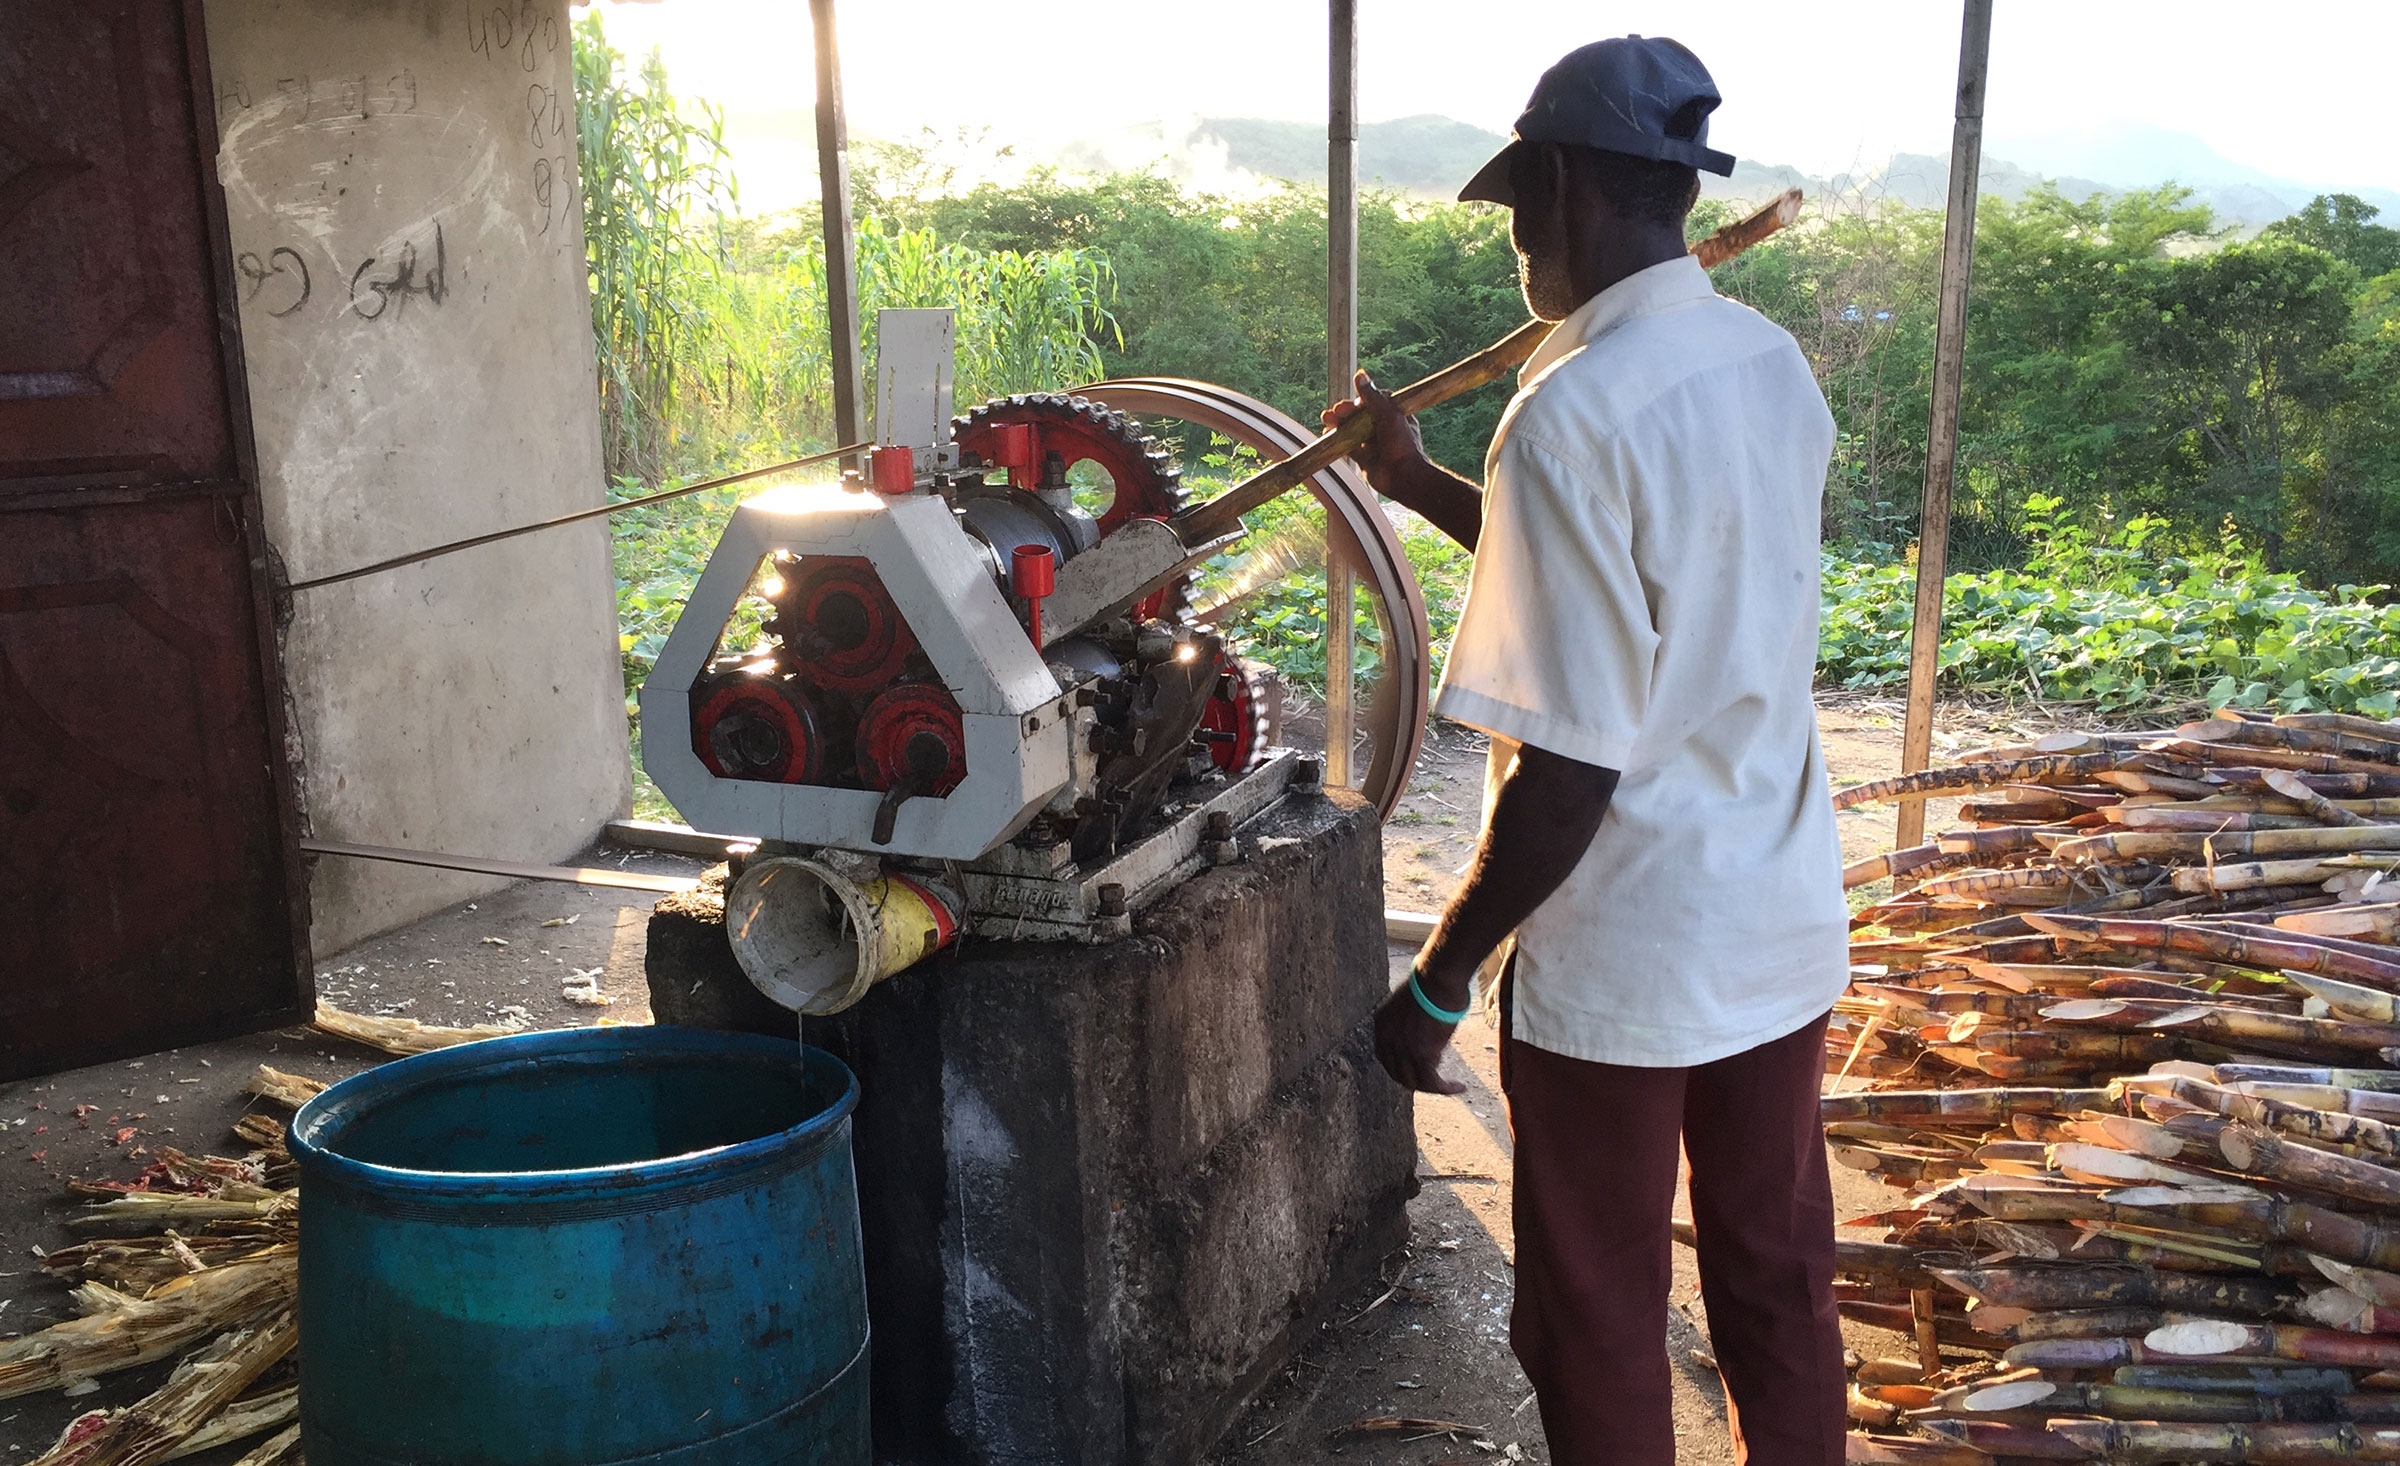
584	1247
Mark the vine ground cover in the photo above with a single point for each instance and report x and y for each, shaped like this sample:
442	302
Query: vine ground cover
2106	620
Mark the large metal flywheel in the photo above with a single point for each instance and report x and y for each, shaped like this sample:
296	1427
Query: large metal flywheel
1394	695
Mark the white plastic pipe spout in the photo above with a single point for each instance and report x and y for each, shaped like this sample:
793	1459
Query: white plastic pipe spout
815	940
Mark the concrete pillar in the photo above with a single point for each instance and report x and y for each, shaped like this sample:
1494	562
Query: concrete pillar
1108	1190
401	185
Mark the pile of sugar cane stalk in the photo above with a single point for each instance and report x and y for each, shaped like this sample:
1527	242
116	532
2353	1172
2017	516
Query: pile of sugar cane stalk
198	1256
2127	1041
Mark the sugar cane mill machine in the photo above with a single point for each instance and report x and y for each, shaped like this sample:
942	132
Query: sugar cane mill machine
960	697
892	685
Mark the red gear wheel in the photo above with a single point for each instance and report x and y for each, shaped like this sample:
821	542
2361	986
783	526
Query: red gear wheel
893	721
761	728
1242	711
1020	433
841	626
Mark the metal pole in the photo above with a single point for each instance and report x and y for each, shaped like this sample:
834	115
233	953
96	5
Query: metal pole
841	252
1941	437
1341	359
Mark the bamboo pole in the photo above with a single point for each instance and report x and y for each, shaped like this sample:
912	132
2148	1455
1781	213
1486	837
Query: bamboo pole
1341	360
1941	439
841	245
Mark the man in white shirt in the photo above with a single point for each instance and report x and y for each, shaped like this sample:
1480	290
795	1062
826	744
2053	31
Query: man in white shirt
1639	639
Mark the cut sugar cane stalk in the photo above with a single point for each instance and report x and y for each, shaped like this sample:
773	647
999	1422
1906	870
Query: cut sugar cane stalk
281	1449
2337	743
2339	1308
2274	1379
402	1036
2133	1402
200	1386
2256	1152
2248	874
2201	1337
2066	768
2002	1439
121	1332
289	1090
2098	1287
2261	947
2378	923
241	1420
2341	723
140	1213
2226	1023
1136	561
2371	1081
2317	806
2192	846
1223	514
2070	1323
2268	1444
1959	1106
2312	1124
2373	1284
2365	1004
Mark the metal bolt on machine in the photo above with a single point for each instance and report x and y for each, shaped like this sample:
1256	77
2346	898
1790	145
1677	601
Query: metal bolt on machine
863	679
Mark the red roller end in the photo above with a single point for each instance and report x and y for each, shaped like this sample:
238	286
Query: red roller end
1033	574
895	469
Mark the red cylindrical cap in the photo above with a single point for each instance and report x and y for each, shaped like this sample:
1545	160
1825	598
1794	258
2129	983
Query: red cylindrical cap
1033	572
895	469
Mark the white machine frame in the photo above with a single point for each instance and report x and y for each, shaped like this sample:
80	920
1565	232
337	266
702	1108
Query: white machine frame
1018	723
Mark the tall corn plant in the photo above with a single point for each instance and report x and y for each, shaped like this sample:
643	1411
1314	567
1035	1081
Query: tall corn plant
652	179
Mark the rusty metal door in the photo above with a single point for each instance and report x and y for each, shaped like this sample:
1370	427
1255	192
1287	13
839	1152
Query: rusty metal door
150	890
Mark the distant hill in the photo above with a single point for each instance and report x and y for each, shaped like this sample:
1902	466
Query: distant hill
1423	154
1433	156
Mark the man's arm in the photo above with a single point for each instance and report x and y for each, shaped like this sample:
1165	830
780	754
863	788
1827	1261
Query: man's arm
1395	463
1546	812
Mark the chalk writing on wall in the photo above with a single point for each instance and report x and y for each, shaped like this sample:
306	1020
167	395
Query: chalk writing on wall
392	279
524	32
557	191
549	120
277	284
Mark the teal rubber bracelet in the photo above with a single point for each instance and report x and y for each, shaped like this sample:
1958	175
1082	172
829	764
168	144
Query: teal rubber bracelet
1436	1013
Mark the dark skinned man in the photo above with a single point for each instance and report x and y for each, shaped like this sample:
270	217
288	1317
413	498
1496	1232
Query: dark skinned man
1658	858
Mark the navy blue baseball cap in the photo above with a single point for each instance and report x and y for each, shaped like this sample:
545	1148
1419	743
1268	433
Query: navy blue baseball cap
1643	95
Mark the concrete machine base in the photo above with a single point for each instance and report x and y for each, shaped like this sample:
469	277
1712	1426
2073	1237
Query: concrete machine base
1108	1189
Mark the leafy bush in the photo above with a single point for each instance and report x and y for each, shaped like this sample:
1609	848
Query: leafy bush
2104	619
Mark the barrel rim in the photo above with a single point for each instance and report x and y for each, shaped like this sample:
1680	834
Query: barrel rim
354	1096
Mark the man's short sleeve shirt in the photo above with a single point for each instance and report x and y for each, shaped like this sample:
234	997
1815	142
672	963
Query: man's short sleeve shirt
1644	598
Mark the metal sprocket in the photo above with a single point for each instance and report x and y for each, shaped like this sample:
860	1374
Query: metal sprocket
1148	481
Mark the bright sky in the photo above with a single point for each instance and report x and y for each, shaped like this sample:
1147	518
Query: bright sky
2297	91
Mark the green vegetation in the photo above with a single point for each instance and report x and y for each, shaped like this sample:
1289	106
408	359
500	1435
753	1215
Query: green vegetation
652	179
2179	475
2117	623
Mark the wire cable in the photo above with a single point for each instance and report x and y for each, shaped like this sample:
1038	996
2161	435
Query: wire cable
577	517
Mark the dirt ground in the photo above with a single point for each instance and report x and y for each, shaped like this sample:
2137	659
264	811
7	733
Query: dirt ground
1429	1344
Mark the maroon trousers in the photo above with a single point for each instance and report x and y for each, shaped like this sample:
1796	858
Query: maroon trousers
1595	1185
